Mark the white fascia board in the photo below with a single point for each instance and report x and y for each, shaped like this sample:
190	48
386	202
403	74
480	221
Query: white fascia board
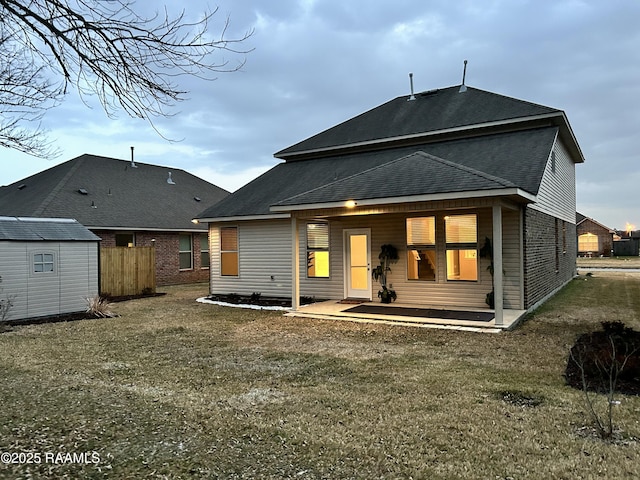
434	133
240	218
502	192
572	136
145	229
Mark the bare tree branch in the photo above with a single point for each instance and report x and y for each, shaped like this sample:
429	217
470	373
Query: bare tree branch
25	96
103	48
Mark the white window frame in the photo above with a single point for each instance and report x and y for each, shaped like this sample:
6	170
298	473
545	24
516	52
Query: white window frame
182	252
43	262
461	246
236	251
204	239
313	249
413	247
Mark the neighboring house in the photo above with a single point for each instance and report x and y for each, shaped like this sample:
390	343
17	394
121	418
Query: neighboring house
125	203
594	239
48	266
435	175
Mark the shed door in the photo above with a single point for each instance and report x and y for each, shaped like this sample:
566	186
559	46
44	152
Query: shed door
357	246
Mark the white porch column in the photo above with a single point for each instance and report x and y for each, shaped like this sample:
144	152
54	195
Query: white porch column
498	291
295	264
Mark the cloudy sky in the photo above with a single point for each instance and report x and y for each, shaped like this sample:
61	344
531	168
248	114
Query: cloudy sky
316	63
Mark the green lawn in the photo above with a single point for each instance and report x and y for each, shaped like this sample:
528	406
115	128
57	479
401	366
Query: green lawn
177	389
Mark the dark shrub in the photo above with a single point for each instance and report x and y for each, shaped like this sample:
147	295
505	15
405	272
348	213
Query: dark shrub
610	354
255	298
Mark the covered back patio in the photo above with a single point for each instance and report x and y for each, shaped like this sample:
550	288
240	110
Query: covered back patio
447	318
495	218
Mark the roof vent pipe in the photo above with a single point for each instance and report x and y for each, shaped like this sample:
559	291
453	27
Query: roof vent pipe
463	87
133	163
412	97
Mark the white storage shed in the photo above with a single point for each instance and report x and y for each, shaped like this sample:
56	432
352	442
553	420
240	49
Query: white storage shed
48	266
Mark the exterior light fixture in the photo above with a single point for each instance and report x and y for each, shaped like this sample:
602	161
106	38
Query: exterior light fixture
350	204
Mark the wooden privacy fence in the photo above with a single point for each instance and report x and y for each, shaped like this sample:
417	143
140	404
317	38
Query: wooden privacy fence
127	271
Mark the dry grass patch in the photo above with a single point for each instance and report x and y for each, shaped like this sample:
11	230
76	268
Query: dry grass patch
177	389
609	262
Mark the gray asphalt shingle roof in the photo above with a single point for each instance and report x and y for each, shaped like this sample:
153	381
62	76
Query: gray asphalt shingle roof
431	111
502	160
105	192
415	174
443	141
44	229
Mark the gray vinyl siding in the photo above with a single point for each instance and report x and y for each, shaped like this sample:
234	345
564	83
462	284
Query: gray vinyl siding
323	288
78	275
15	275
75	278
557	193
512	248
264	251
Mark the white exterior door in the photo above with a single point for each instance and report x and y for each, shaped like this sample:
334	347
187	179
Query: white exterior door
357	254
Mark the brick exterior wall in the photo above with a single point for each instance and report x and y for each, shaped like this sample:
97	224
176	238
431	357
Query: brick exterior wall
550	251
605	237
167	246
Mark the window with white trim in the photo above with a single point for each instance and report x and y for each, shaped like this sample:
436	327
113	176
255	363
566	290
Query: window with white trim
229	251
204	250
461	237
421	248
43	262
186	251
318	250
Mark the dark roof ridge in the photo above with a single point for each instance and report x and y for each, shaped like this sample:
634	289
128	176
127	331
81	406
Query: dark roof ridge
470	88
470	170
91	156
528	102
55	190
407	119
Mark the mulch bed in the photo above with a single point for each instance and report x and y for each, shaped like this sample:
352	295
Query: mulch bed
124	298
257	299
66	317
72	317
